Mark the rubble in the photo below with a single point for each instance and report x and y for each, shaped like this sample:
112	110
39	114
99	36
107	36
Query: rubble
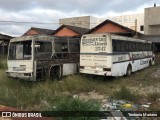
109	105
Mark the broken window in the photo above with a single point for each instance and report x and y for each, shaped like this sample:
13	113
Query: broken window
20	50
43	50
64	47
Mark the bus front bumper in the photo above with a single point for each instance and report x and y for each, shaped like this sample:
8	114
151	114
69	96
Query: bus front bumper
96	72
20	75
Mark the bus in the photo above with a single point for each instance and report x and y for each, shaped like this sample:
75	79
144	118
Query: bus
113	55
40	56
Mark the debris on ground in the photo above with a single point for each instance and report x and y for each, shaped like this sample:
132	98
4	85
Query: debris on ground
109	105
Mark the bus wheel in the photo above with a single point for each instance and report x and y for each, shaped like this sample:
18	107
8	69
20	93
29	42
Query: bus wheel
129	70
55	73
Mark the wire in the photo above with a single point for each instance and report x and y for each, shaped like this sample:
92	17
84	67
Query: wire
17	22
2	21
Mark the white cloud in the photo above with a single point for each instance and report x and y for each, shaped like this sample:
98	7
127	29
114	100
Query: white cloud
51	11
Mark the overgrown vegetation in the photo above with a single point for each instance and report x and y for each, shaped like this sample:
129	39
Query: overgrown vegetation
124	94
153	97
3	63
26	95
76	106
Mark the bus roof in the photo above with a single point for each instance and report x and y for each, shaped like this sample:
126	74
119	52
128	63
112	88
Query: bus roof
33	37
117	37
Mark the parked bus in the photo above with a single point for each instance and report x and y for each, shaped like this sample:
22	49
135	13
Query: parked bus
113	55
40	56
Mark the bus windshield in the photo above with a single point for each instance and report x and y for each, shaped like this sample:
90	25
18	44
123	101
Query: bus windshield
20	50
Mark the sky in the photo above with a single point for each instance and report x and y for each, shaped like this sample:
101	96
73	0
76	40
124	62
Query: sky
50	11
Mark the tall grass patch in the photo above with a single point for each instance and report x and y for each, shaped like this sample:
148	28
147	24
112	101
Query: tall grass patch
124	94
153	97
3	62
75	104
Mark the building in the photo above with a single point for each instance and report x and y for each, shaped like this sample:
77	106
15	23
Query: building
152	21
35	31
109	26
71	31
132	21
4	42
156	45
83	21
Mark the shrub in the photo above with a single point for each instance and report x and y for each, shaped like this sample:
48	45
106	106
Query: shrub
124	94
3	62
152	97
75	104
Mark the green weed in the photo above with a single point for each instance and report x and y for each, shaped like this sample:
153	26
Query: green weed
153	97
124	94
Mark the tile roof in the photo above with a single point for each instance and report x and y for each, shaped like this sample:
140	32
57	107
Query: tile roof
41	31
76	29
130	31
153	38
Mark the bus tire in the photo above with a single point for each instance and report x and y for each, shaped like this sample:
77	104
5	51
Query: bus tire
55	73
129	70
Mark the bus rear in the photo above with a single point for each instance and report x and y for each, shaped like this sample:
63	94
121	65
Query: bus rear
95	54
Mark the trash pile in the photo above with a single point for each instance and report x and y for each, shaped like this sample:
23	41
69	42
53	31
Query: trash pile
122	105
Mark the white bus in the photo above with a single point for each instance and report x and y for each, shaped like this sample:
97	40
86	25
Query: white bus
113	55
40	56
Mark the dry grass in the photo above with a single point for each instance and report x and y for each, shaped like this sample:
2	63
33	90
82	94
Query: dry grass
40	95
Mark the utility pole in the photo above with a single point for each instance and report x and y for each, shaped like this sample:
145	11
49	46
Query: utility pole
136	25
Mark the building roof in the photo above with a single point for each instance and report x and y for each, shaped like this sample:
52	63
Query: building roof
129	31
41	31
76	29
5	37
153	38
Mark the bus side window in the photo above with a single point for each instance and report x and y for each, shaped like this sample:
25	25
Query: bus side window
137	47
114	45
130	46
133	46
149	46
118	46
127	46
145	46
123	43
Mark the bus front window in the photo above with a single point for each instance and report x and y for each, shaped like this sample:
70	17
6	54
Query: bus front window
20	50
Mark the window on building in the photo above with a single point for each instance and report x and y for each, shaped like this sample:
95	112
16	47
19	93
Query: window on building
142	28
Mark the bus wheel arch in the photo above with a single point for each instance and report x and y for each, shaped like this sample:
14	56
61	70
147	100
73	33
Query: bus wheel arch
55	72
129	70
